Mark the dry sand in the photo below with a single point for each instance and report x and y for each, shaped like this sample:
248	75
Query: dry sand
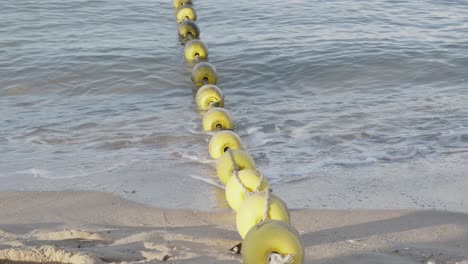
91	227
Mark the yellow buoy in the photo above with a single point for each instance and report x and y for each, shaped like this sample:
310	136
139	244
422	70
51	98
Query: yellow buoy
217	119
252	210
204	73
188	30
185	12
222	141
271	239
178	3
209	96
195	49
235	194
224	166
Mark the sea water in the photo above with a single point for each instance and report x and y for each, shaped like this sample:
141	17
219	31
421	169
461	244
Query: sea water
342	104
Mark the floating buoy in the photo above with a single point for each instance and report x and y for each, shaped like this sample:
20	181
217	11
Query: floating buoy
235	194
262	219
204	73
252	210
195	50
209	96
272	239
178	3
222	141
185	12
225	168
217	119
188	30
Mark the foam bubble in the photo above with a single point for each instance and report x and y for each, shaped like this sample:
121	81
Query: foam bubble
346	162
208	181
198	158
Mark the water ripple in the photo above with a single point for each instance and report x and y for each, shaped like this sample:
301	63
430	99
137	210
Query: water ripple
86	84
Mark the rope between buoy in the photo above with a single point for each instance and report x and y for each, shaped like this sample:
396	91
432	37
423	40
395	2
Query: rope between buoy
189	36
275	258
197	58
267	204
261	180
216	104
235	171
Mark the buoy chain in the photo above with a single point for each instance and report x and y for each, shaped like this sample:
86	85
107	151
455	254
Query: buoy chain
204	77
235	173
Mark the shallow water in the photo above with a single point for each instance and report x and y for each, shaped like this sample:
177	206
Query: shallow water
96	95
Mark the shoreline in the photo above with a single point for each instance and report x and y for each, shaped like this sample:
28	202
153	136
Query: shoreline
430	183
95	227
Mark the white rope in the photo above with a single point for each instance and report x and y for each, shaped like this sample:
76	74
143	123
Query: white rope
216	104
261	180
276	258
235	171
184	19
267	204
189	37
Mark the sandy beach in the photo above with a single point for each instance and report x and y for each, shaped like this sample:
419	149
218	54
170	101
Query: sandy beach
354	111
93	227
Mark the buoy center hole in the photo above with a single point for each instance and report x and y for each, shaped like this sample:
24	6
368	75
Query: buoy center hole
196	54
270	258
219	126
226	149
205	79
